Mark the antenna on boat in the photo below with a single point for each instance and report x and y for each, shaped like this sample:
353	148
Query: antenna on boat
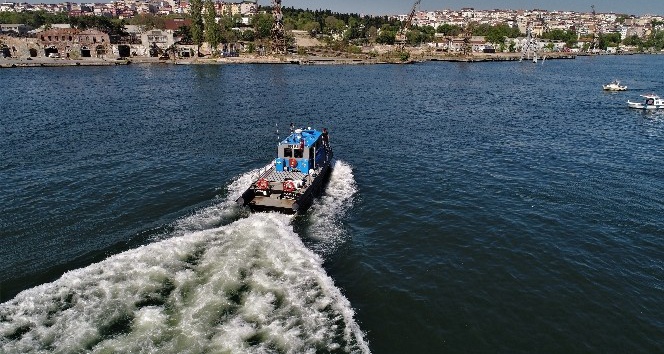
277	127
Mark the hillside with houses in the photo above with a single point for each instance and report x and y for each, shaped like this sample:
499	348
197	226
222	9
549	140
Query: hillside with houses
162	29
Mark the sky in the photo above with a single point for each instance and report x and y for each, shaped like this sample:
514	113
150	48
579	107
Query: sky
396	7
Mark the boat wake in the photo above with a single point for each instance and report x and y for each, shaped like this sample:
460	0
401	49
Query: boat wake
249	286
326	229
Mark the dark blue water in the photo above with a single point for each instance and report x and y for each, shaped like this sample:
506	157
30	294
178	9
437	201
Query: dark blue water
484	207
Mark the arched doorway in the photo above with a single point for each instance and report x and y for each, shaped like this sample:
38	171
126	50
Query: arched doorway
51	51
6	53
33	52
85	52
124	51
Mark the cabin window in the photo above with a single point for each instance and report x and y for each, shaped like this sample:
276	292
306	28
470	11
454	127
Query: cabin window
288	152
298	153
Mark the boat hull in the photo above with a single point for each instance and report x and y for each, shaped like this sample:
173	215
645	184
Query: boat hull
615	88
276	200
639	105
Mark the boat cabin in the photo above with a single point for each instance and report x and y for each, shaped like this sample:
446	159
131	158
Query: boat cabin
301	151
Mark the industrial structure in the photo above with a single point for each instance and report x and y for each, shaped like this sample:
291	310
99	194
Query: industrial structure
594	46
400	39
529	45
278	34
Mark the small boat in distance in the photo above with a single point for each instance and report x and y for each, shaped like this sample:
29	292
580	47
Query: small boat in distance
297	175
614	86
650	101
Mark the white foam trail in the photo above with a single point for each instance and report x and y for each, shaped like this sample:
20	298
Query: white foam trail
247	287
325	216
220	213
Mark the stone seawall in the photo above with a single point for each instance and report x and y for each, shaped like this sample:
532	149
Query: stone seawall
252	59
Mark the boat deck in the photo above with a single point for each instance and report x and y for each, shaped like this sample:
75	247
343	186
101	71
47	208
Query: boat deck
272	175
272	201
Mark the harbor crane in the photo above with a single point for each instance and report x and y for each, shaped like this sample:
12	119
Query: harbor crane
278	35
467	37
528	45
401	36
596	36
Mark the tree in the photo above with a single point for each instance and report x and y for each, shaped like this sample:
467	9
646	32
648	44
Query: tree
655	40
386	35
333	25
495	37
449	30
196	8
372	34
147	21
512	47
312	27
262	24
569	37
609	40
184	33
212	32
248	35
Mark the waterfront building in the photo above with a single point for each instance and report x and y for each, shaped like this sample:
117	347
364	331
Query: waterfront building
72	43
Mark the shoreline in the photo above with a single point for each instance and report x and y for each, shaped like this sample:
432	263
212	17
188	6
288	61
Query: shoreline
293	60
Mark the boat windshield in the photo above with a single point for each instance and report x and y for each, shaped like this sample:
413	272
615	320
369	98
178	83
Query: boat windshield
290	152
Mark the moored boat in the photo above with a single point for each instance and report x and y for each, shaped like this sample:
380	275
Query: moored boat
297	175
650	101
614	86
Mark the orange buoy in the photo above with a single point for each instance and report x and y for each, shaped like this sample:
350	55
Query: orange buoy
289	186
262	184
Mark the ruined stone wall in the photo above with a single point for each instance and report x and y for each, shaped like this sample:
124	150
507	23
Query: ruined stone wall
22	46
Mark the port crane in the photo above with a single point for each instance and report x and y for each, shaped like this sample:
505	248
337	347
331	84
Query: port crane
467	37
278	35
401	36
595	43
529	45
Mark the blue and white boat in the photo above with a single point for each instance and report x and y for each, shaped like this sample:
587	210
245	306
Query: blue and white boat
296	177
650	101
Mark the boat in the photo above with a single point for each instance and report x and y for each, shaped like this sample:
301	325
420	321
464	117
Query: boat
296	176
650	101
614	86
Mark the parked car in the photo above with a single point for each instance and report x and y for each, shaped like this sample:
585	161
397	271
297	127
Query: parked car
53	55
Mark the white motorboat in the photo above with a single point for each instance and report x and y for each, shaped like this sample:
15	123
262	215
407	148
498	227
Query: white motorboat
650	101
614	86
